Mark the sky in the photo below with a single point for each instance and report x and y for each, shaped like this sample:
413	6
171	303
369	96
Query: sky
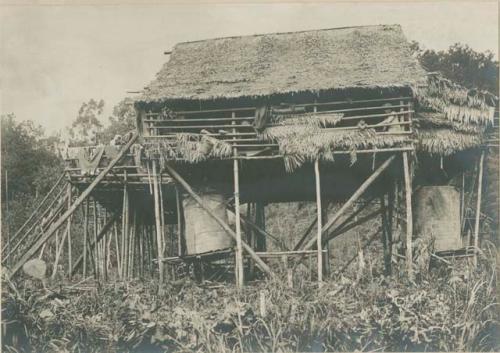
54	58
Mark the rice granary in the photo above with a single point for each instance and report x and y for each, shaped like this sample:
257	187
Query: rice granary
231	125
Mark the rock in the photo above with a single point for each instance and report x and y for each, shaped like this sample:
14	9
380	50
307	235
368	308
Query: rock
35	268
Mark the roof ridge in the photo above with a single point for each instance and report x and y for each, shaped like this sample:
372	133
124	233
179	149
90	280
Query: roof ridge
288	32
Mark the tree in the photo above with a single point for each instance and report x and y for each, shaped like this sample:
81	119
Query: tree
87	125
461	64
122	121
31	164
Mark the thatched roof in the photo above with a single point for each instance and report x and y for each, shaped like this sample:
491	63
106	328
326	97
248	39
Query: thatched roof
261	65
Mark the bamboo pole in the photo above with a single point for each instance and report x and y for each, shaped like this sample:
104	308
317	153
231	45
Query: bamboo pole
239	251
103	231
319	222
8	212
263	232
353	198
385	235
409	216
118	259
30	218
158	224
85	234
133	236
105	248
33	249
96	248
478	207
162	214
58	254
33	226
261	264
70	255
179	221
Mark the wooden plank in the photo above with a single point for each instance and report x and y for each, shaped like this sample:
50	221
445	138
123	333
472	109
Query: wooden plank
262	265
83	196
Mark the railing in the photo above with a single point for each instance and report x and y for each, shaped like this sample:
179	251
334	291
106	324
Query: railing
235	126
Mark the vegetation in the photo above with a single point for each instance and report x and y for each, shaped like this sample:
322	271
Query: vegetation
449	309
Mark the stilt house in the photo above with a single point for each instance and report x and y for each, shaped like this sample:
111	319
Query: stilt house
343	115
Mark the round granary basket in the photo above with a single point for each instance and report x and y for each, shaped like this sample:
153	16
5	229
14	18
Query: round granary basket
202	233
437	215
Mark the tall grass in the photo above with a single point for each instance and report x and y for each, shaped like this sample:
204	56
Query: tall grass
451	308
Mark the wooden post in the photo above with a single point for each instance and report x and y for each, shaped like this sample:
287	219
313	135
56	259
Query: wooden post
261	264
385	235
239	250
390	226
103	231
58	255
158	224
260	221
353	198
85	235
96	248
319	245
179	221
409	216
7	211
478	207
118	258
52	229
326	246
70	255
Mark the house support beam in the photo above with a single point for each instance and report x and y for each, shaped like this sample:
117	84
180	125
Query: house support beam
239	251
353	198
319	246
158	224
409	215
478	206
261	264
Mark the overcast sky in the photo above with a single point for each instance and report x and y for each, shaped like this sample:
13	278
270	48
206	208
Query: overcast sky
53	58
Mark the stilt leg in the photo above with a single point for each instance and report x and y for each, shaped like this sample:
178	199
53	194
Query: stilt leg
478	207
409	216
319	246
158	225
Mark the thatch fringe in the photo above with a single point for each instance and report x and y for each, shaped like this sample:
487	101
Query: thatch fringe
301	143
438	120
456	102
444	141
192	148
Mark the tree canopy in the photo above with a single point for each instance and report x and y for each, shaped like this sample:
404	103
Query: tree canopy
462	64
